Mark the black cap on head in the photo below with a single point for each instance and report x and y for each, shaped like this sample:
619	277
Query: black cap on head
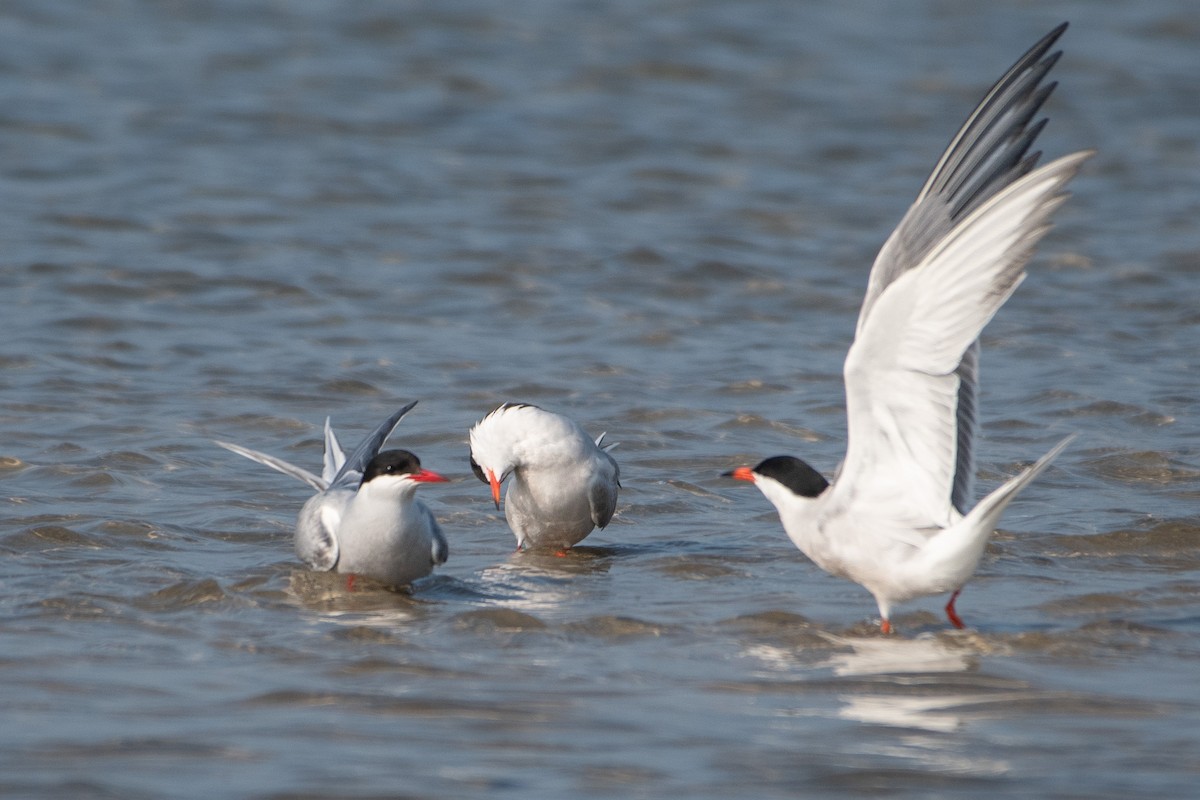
392	462
478	472
794	474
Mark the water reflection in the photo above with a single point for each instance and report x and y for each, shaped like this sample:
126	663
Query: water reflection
894	655
333	595
537	581
934	714
925	683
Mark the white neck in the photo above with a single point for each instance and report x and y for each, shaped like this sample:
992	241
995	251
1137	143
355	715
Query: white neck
796	512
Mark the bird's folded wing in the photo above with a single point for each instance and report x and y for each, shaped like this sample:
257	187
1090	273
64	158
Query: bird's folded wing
316	529
439	548
602	492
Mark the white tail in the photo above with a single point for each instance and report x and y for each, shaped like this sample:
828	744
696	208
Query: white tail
986	514
954	552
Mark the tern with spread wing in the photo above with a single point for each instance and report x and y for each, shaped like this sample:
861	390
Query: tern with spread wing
364	519
897	517
562	484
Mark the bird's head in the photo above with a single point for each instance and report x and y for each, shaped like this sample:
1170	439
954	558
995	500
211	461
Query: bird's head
782	476
495	441
397	470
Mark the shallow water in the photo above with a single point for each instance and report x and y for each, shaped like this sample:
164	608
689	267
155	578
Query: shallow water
228	220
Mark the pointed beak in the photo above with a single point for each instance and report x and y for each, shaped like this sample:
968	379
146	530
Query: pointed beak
495	488
429	476
740	474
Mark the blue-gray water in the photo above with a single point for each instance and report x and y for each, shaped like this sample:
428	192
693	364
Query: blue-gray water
229	219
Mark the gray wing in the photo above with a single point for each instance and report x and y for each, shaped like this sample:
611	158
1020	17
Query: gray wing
967	425
989	153
987	156
351	472
440	548
277	464
905	373
316	529
602	493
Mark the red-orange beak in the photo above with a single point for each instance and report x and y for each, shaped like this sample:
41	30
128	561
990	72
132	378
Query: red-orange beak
429	476
740	474
495	488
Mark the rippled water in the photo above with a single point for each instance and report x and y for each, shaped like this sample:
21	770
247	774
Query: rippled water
228	219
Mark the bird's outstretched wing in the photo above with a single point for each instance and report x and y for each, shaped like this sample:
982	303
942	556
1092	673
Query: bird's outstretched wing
320	484
908	364
988	153
351	472
912	374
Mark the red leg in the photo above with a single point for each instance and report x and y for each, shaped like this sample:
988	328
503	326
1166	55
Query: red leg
350	582
951	614
563	553
886	626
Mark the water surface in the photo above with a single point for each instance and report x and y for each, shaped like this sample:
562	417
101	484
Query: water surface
229	220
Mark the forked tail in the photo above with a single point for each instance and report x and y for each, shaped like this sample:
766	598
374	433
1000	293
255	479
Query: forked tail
954	552
986	515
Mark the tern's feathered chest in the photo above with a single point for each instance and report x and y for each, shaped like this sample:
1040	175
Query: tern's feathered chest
385	535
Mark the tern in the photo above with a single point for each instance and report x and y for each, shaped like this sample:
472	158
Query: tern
364	519
562	484
896	518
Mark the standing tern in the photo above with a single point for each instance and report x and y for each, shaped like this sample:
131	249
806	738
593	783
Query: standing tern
896	519
364	519
562	484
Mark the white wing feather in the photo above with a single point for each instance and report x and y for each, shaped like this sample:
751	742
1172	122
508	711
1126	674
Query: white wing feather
299	473
334	456
902	372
